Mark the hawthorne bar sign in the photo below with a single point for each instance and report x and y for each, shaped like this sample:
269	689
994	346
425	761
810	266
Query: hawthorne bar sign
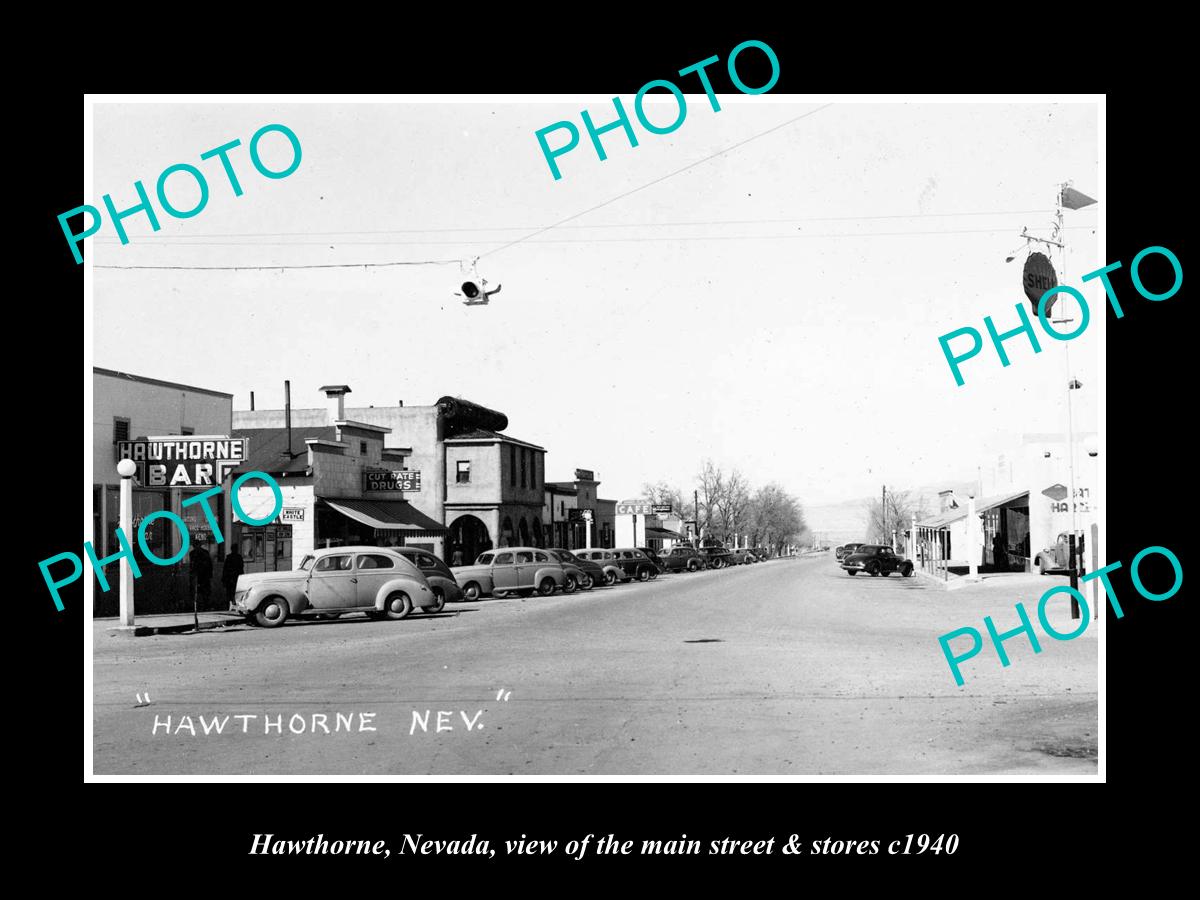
171	461
389	481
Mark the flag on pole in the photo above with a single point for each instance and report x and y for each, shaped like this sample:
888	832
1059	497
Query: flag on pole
1073	199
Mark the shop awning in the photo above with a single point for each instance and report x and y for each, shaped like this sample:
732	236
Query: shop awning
388	515
664	533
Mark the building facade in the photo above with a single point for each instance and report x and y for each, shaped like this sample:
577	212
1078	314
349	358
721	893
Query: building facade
129	407
483	487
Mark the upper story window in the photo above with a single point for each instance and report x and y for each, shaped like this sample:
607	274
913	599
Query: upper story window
362	448
512	465
524	465
120	429
463	474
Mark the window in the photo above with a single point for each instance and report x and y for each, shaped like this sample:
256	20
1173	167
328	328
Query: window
362	448
374	561
524	465
504	559
562	507
524	557
512	465
184	429
485	559
463	475
335	563
305	564
427	562
540	557
120	429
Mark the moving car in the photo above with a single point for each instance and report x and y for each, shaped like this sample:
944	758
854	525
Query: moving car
581	573
511	569
681	558
1058	557
377	581
437	573
635	563
845	550
875	559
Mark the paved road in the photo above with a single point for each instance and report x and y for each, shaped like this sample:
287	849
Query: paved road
783	668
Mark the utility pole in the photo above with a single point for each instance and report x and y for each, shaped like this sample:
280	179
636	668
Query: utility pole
883	515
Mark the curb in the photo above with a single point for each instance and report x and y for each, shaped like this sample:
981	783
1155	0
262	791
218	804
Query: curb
186	628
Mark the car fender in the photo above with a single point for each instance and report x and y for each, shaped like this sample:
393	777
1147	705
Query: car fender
297	599
448	586
418	592
557	574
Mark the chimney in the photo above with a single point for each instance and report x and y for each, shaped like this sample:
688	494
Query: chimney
336	398
287	416
252	401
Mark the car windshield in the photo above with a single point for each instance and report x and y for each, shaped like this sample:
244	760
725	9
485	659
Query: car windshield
485	559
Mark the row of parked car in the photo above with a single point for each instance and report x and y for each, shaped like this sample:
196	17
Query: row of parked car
391	582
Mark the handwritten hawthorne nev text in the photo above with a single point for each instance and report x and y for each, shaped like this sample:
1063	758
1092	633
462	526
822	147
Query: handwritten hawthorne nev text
145	206
1026	327
126	551
622	120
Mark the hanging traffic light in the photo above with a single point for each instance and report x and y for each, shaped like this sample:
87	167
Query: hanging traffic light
474	288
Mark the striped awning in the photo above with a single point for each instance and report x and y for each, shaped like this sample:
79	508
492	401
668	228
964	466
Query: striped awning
385	515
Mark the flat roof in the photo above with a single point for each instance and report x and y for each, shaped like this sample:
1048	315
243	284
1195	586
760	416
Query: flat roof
112	373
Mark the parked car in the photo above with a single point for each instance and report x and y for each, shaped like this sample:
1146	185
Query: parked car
762	553
511	569
583	573
716	557
332	581
613	570
845	550
741	557
1058	557
875	559
684	558
437	573
654	557
635	563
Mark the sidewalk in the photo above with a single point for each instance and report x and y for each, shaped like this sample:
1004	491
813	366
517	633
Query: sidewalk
168	623
997	594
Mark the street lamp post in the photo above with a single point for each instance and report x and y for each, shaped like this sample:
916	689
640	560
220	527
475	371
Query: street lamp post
126	468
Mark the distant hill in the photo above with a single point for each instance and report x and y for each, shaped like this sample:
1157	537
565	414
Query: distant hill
846	520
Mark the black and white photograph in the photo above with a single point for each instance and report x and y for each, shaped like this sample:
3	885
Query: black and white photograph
702	433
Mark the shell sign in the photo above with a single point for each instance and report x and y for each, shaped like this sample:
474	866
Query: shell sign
1037	278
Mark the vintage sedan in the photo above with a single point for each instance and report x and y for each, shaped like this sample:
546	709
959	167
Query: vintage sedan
585	573
635	563
876	559
684	557
437	573
377	581
608	561
511	569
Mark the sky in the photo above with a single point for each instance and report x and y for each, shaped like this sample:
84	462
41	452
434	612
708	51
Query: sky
776	308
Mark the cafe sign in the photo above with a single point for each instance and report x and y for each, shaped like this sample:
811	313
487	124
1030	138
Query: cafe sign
385	481
635	508
184	460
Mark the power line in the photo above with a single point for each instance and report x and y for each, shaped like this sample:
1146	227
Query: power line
698	162
420	262
951	215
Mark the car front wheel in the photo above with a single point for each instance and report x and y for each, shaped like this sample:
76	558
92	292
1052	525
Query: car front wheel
547	587
569	585
610	578
907	571
272	613
852	571
587	583
440	597
471	591
643	574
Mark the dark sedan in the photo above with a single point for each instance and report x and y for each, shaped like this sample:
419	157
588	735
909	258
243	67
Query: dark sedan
593	574
716	557
635	563
684	558
846	549
876	559
437	573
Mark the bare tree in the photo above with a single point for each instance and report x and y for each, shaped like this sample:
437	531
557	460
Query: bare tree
662	493
902	507
711	485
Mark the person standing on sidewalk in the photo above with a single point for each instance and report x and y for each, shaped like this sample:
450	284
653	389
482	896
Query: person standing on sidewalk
234	566
202	571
